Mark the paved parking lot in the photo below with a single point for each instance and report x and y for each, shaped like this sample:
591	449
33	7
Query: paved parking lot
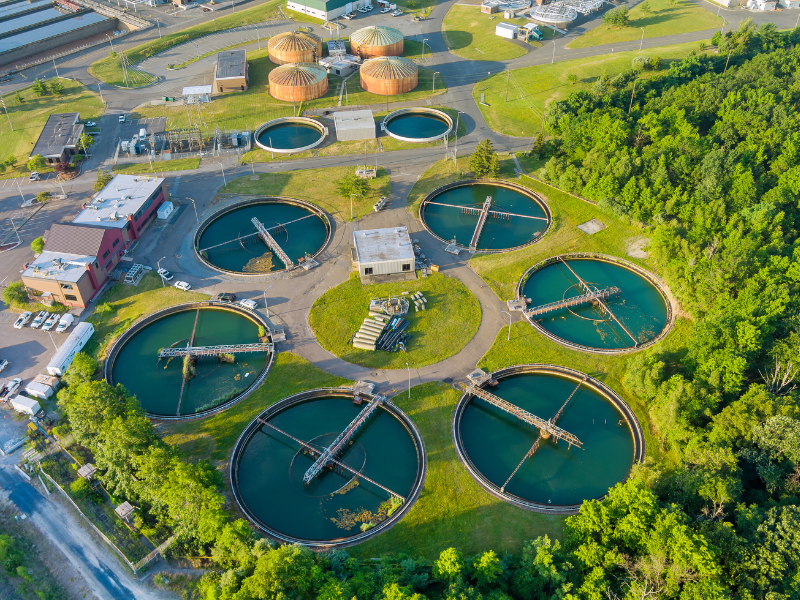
27	350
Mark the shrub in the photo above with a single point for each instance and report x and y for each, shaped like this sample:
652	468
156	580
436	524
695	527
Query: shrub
617	17
655	63
484	161
572	78
15	294
43	197
36	162
37	245
80	488
104	177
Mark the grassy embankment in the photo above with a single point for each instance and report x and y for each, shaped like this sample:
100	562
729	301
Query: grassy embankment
179	164
448	323
663	18
470	34
317	186
28	118
534	88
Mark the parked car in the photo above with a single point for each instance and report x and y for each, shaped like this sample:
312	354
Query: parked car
369	7
34	175
350	16
226	297
66	320
182	285
9	388
397	13
3	365
39	319
363	9
248	304
91	124
165	274
386	10
6	77
122	118
50	322
22	319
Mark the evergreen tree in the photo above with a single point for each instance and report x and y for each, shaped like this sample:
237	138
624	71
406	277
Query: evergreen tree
484	161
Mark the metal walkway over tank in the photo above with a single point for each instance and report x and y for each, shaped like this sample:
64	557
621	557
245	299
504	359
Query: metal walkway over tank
317	452
270	241
591	297
332	451
278	227
214	350
487	204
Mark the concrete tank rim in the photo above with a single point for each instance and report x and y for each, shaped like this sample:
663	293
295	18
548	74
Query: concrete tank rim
298	398
305	120
558	371
418	110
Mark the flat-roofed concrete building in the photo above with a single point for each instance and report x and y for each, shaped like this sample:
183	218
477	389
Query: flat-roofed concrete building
354	125
58	140
231	72
383	252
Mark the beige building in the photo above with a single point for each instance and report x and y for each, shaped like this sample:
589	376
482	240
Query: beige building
231	72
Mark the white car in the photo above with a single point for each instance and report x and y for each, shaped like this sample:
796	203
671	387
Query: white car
122	118
182	285
39	319
369	7
50	322
397	13
10	388
248	304
362	10
165	274
3	365
22	319
386	10
34	176
349	16
90	123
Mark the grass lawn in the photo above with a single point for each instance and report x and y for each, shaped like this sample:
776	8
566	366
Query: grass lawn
180	164
317	186
453	510
108	70
442	330
29	117
213	438
664	18
469	34
127	304
532	89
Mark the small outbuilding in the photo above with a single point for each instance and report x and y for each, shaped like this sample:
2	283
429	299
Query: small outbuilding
507	30
25	405
197	93
352	125
383	252
165	210
59	138
87	471
124	511
231	72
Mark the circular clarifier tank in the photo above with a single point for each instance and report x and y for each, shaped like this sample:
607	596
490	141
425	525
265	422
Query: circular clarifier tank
347	501
214	382
229	240
417	125
290	134
536	469
485	216
632	310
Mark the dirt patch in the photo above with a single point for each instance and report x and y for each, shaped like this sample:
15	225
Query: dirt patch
636	247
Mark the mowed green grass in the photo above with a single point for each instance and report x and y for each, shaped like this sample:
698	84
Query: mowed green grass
663	19
532	89
450	320
180	164
317	186
29	118
453	510
469	34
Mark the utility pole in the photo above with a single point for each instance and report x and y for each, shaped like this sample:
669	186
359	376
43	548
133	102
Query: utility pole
552	60
351	205
55	67
632	93
159	28
508	79
5	109
727	61
642	40
435	73
101	92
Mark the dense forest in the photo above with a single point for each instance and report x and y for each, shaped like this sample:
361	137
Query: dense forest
705	152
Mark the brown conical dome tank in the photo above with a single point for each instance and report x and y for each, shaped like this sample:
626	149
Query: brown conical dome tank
376	40
389	75
294	47
297	83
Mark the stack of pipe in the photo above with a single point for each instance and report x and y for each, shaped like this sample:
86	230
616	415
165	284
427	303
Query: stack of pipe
419	301
366	337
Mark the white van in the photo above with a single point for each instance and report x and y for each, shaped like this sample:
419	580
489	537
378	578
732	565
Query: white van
66	320
248	304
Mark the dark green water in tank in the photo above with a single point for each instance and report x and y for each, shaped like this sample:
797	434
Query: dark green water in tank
640	307
498	233
271	470
420	126
288	136
157	383
296	237
496	442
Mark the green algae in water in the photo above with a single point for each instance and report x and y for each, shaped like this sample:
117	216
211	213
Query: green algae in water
419	126
288	136
296	239
640	307
498	234
270	476
157	383
495	441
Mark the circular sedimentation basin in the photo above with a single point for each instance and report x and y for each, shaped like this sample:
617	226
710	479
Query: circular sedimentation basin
491	443
159	383
517	216
289	135
640	315
417	125
337	508
228	240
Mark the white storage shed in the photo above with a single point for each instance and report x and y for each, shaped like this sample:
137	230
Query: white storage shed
26	405
354	125
506	30
383	251
74	344
39	390
165	210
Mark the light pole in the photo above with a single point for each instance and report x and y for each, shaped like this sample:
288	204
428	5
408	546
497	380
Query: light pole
351	204
552	60
55	67
159	28
455	151
642	40
423	47
195	209
435	73
266	306
223	175
403	348
258	35
110	41
101	93
509	324
158	264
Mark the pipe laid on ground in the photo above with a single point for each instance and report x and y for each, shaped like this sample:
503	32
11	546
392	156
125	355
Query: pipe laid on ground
364	346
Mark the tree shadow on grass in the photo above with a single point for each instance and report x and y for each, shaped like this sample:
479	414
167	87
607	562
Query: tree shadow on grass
457	40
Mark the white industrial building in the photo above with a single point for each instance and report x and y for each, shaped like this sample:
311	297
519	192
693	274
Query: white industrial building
354	125
25	405
74	344
507	30
383	251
